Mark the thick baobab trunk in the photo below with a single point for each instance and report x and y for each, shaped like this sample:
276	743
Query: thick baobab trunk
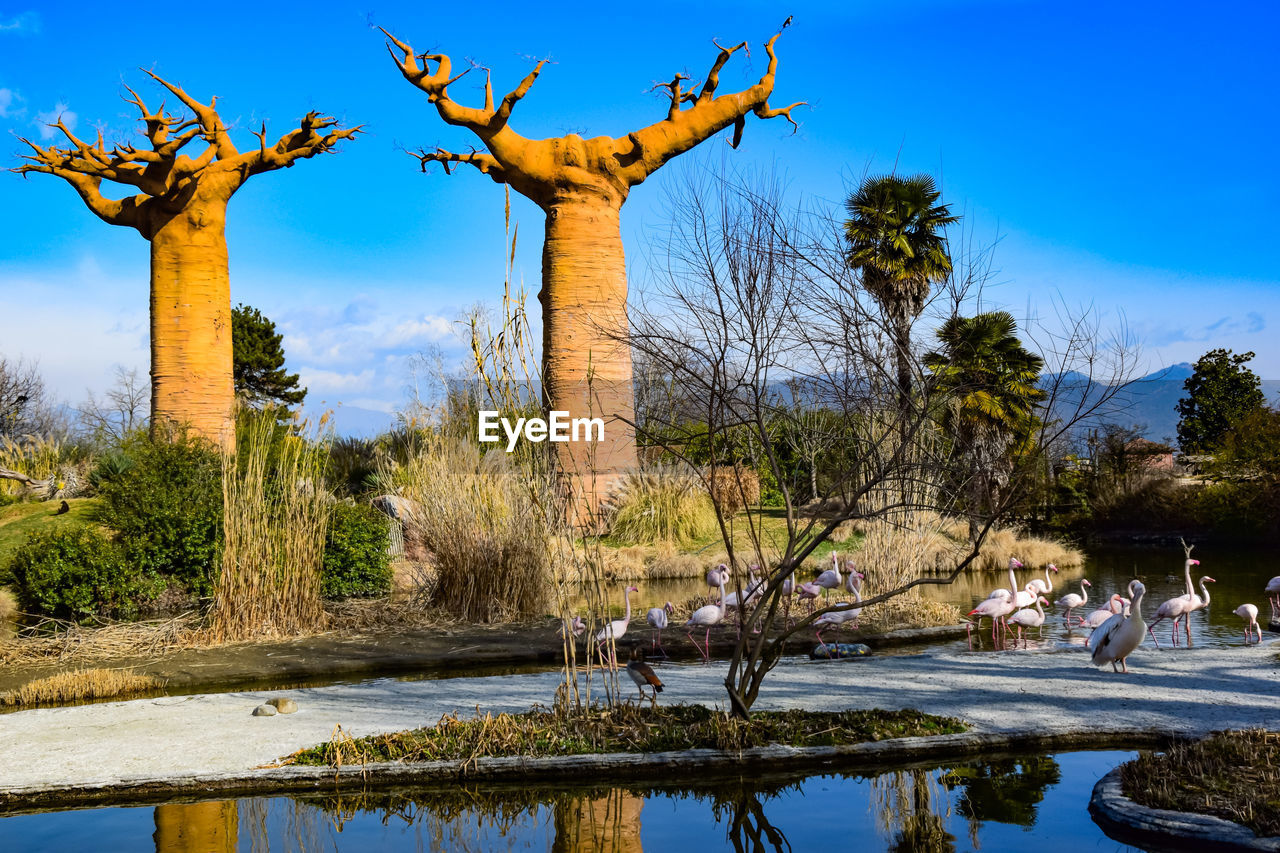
191	354
586	358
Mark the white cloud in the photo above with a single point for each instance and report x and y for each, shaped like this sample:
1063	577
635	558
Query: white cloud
333	380
60	111
11	104
430	329
27	23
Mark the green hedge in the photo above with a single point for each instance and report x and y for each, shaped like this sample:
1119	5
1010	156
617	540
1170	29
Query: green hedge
356	561
165	503
78	573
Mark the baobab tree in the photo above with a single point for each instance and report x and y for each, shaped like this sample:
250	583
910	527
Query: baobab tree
180	208
581	185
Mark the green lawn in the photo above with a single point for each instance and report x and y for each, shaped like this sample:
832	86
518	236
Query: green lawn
18	521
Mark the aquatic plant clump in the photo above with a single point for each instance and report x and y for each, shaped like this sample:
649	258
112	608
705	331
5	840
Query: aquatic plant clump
1233	775
622	728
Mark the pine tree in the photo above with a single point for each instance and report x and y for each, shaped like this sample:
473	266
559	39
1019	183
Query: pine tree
259	361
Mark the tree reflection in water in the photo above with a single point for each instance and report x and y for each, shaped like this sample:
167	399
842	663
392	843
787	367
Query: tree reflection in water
749	830
904	802
1005	790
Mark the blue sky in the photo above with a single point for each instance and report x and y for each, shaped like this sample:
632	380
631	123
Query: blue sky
1123	154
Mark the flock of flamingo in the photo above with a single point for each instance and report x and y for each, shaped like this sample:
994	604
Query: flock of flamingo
1117	627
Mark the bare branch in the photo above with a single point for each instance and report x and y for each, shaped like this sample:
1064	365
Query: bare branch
485	163
212	129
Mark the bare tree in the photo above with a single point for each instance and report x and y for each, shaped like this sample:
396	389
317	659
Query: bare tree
122	409
25	405
752	307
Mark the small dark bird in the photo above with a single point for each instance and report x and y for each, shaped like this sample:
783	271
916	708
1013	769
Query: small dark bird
64	509
787	22
642	674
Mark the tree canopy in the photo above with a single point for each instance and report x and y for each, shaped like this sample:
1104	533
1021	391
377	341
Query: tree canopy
1219	394
258	369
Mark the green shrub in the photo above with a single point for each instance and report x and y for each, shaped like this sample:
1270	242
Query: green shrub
78	573
356	561
166	506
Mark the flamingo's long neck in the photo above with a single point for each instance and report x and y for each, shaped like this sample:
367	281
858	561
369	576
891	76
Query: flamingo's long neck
1048	581
1039	609
1013	581
1186	568
626	596
722	609
1084	594
1205	590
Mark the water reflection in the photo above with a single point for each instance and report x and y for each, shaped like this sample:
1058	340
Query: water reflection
1035	802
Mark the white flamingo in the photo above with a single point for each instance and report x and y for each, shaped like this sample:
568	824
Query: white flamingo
657	619
1044	587
1115	605
1014	563
1029	618
706	617
852	580
719	576
844	613
1071	601
1120	635
1249	613
808	592
614	631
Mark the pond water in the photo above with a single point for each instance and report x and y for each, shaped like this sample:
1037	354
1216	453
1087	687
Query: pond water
1240	577
1034	802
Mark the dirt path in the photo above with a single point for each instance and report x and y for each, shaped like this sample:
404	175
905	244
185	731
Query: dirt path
185	736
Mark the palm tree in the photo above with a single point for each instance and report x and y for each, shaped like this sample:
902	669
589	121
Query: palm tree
989	382
895	238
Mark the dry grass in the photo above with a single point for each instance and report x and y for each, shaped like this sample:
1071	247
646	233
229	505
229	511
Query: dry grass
733	488
35	456
486	521
662	505
623	728
8	605
274	516
79	685
1232	775
48	640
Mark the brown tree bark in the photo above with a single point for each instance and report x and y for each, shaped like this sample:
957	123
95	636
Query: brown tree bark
180	207
581	185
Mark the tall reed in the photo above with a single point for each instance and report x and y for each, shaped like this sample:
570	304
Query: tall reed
275	511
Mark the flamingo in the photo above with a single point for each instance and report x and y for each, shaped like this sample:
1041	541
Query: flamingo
1175	609
1120	635
705	617
1014	563
1115	605
576	627
851	585
845	613
1044	587
1249	613
1071	601
996	608
716	575
642	674
615	629
808	592
753	589
1273	593
1029	618
830	579
657	619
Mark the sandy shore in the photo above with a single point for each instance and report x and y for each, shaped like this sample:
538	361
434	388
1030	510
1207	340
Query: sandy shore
1055	691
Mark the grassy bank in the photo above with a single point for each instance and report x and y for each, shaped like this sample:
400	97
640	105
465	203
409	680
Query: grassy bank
20	520
626	728
1231	775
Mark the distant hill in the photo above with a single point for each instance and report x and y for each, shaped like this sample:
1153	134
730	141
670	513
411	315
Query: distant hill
1149	403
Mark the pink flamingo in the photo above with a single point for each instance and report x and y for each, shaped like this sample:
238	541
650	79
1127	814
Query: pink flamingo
576	628
1249	613
719	576
1071	601
830	579
657	619
611	633
843	613
808	592
1273	593
1114	605
1029	618
996	608
706	617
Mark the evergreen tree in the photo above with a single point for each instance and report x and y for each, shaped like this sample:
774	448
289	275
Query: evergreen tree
1220	393
259	361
